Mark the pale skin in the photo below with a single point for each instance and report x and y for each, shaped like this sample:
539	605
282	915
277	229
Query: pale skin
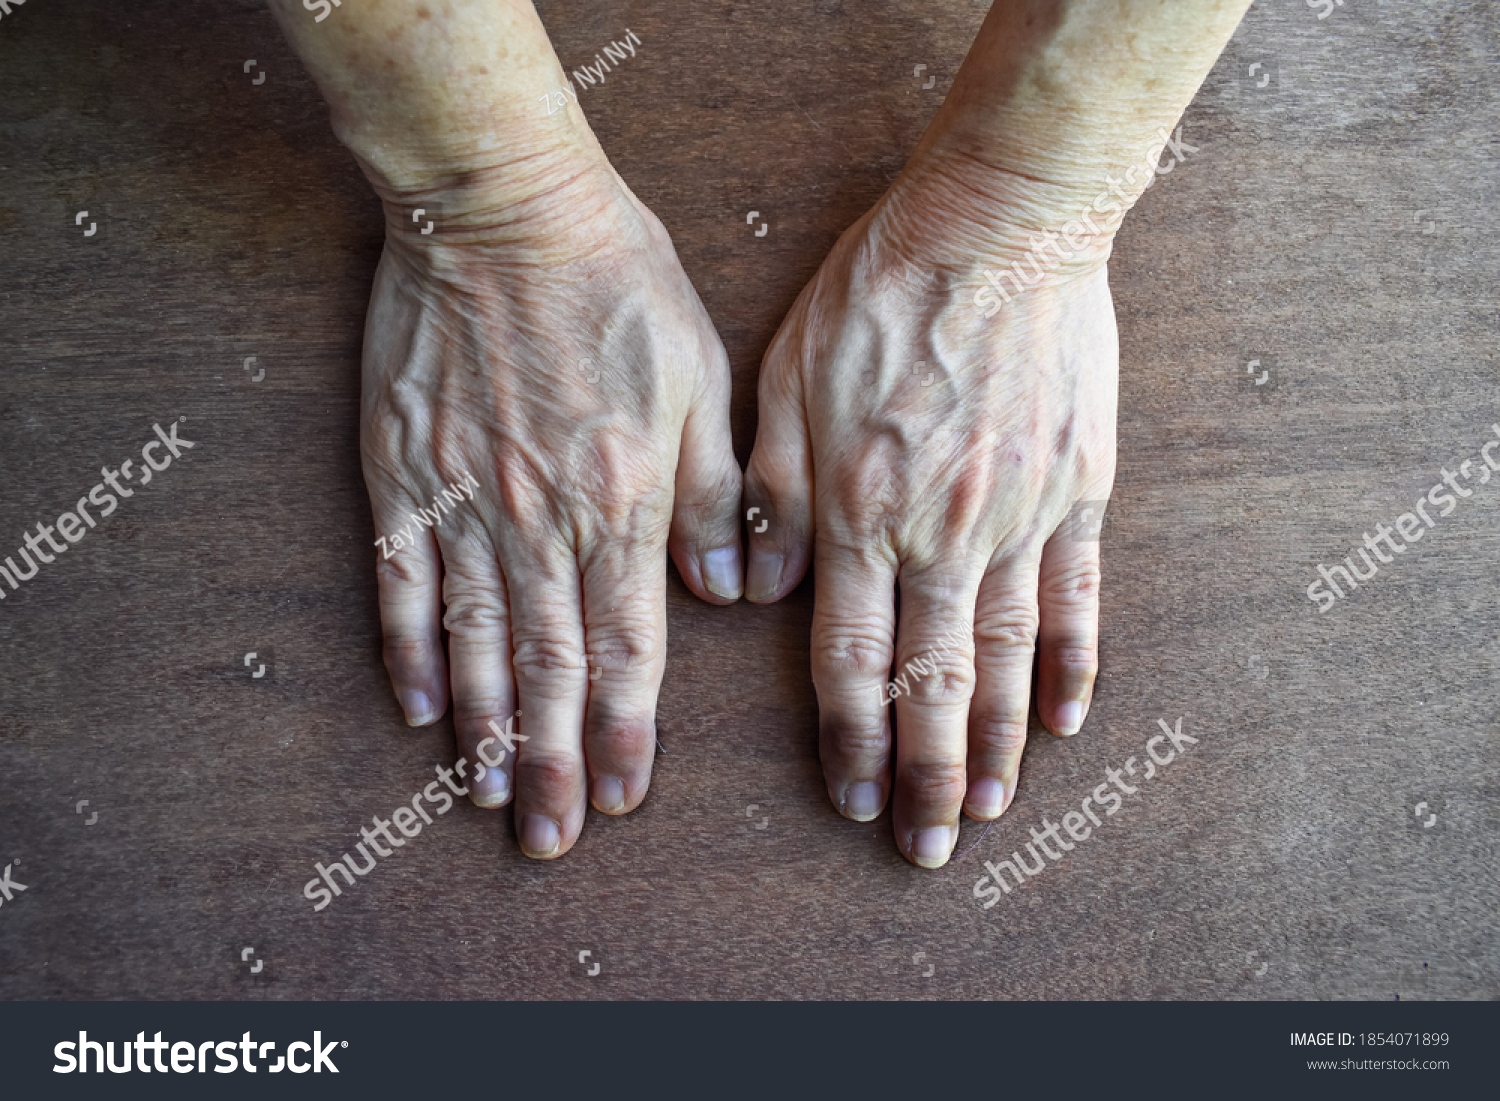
545	339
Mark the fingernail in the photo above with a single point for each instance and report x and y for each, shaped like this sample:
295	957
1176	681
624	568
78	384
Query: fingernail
862	801
764	574
609	794
417	706
491	791
986	798
722	572
931	848
1069	717
540	835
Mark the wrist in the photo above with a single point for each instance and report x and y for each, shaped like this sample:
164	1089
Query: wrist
955	212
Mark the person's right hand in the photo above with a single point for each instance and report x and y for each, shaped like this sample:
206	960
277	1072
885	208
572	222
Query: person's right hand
553	349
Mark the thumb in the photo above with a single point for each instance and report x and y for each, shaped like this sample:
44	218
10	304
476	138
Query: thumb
778	486
705	539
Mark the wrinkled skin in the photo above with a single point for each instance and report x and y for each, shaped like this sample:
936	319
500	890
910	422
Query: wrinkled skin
559	355
953	490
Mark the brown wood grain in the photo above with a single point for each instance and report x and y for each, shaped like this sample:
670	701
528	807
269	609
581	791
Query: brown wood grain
1279	858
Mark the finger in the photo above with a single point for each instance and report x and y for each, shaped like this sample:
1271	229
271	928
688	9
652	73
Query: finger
1068	657
484	692
705	540
934	682
1005	628
778	487
853	635
625	632
408	575
547	658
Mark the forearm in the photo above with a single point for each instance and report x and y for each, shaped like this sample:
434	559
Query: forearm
444	96
1059	97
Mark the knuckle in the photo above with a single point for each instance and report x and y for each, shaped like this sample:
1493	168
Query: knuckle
401	569
1078	583
471	615
622	741
473	713
544	773
406	653
997	737
948	682
1015	629
849	651
1074	660
935	783
623	647
847	746
544	661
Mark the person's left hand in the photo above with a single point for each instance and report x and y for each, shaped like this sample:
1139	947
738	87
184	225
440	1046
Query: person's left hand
905	438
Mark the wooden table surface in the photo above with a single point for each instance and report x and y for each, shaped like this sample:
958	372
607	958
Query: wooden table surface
1338	224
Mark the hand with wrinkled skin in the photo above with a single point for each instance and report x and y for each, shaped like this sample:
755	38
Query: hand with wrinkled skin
543	339
958	490
478	360
907	441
